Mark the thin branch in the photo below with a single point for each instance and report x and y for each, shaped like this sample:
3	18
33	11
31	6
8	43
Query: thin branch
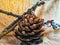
10	28
29	11
8	13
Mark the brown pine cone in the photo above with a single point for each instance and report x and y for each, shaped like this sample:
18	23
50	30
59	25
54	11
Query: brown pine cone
30	29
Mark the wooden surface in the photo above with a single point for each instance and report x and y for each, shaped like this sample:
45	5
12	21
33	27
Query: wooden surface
18	7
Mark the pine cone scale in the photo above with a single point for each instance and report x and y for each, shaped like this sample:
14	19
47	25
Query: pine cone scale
30	29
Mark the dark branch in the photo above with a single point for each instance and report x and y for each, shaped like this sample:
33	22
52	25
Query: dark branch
29	11
8	13
10	28
37	4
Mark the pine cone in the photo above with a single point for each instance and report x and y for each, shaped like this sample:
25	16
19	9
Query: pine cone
30	29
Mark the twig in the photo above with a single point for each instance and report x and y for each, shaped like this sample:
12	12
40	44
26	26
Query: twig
9	28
